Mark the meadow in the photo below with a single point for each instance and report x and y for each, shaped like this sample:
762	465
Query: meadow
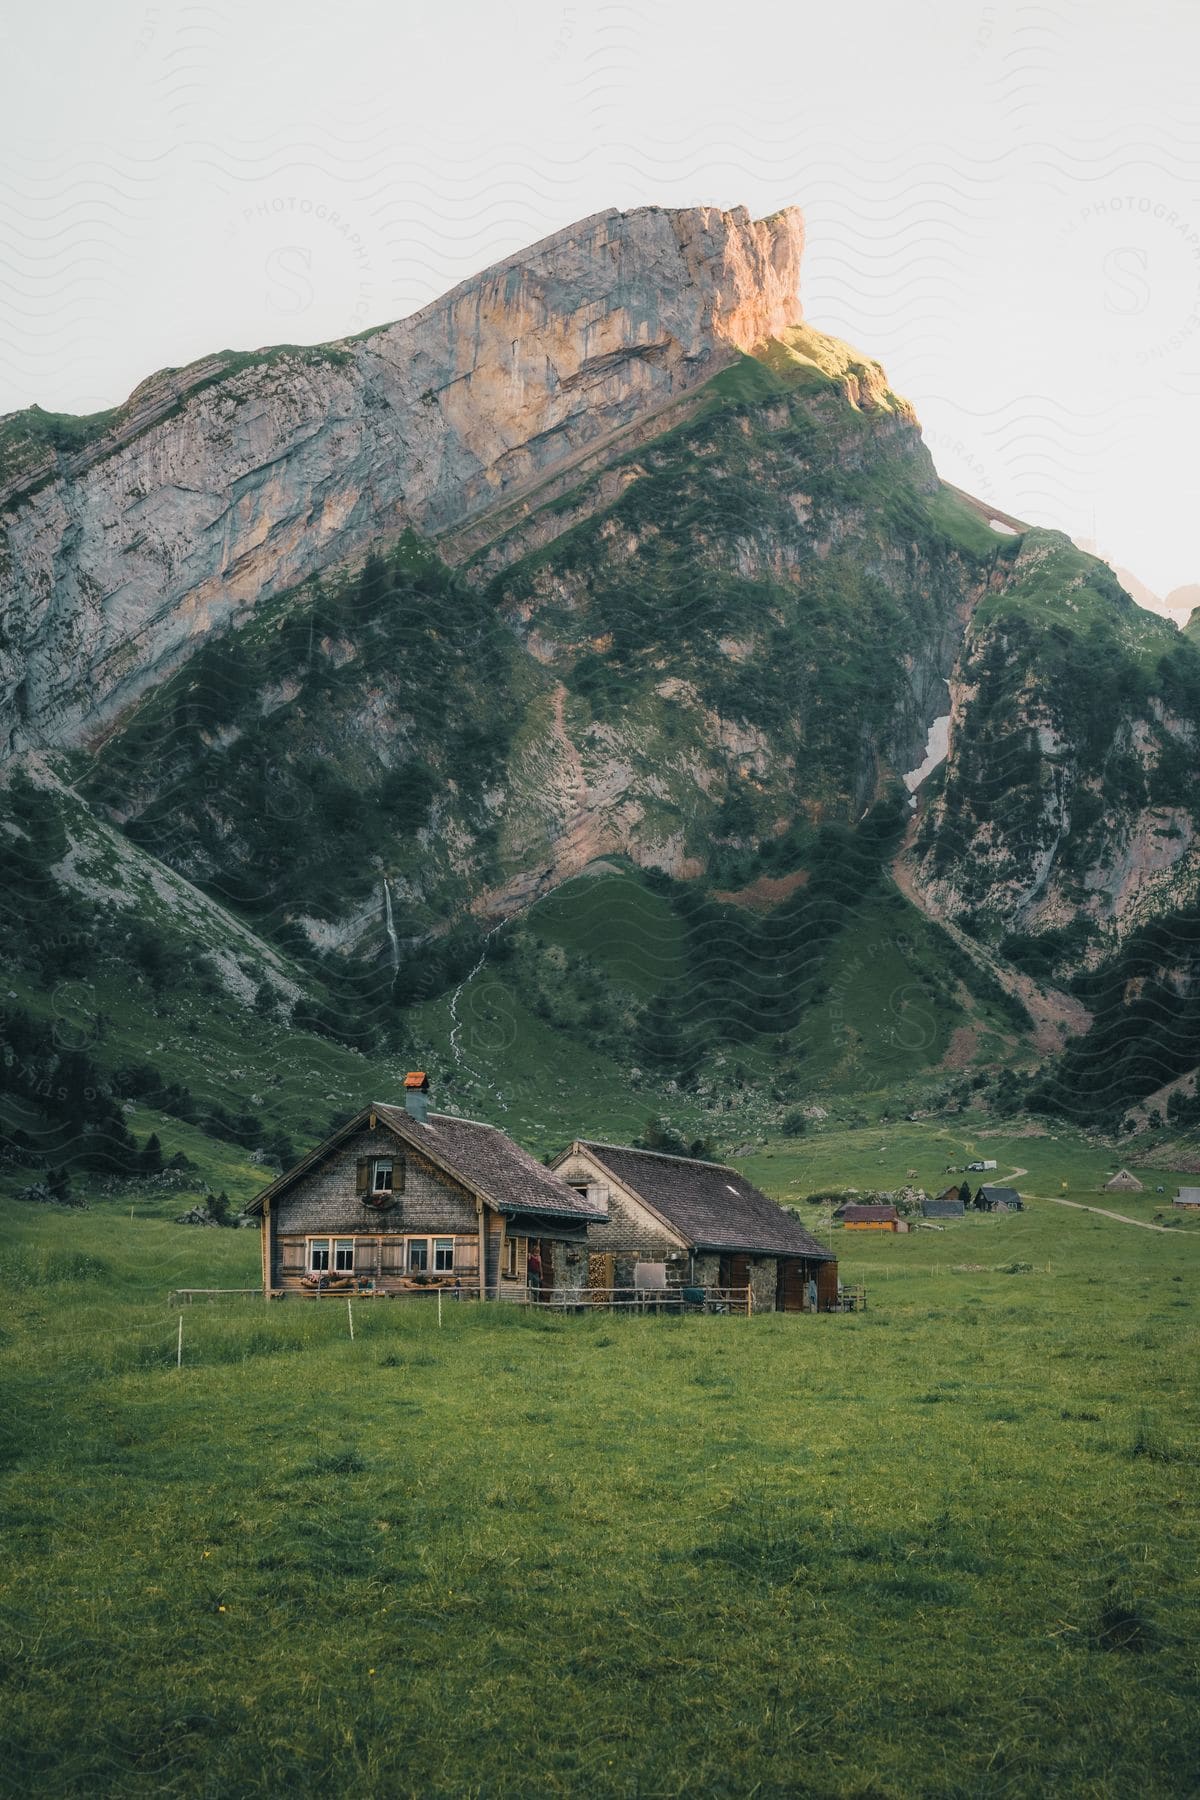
948	1546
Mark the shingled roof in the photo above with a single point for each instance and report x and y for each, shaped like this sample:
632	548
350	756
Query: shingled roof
480	1156
491	1163
1000	1196
710	1205
943	1209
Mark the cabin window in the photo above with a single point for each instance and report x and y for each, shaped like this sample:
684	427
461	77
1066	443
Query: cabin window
319	1254
443	1254
343	1254
418	1255
379	1175
510	1258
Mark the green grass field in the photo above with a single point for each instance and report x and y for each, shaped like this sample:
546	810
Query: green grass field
948	1547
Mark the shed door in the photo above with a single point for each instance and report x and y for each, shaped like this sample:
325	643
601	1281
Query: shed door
827	1286
789	1290
734	1272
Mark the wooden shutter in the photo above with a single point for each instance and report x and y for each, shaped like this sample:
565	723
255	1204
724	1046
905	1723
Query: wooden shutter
398	1175
291	1256
362	1179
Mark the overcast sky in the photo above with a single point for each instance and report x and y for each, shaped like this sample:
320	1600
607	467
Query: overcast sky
1003	201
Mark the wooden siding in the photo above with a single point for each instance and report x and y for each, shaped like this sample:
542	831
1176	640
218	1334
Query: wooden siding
327	1201
795	1273
382	1261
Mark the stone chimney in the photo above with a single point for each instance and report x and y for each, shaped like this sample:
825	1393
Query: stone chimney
416	1094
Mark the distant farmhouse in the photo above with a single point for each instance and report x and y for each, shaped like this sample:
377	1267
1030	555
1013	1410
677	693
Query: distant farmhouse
402	1198
1123	1183
870	1218
1187	1196
947	1205
999	1199
703	1222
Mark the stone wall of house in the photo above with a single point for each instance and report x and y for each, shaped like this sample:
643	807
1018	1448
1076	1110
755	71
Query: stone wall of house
570	1271
764	1278
629	1233
570	1268
326	1200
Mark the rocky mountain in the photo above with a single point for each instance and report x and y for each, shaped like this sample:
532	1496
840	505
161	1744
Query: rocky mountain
127	541
593	663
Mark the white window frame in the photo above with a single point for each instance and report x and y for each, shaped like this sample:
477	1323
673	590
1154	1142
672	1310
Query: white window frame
343	1247
325	1247
421	1268
383	1165
510	1258
443	1247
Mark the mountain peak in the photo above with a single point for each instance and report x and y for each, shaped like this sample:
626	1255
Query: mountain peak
219	485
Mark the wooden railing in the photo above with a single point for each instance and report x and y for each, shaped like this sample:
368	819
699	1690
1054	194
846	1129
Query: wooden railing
178	1296
672	1299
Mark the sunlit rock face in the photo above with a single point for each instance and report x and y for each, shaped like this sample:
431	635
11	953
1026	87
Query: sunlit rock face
222	485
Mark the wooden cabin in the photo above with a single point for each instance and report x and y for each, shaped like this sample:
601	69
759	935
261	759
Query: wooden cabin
1123	1183
870	1218
1187	1196
702	1223
401	1199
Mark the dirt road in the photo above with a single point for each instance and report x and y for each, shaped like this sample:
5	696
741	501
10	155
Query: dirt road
1144	1224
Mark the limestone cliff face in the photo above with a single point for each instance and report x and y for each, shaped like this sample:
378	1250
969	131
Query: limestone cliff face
1067	799
221	485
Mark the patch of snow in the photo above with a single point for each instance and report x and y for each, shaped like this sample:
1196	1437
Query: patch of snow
936	746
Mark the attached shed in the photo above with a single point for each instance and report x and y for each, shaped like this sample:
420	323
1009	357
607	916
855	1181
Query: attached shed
704	1222
999	1199
870	1218
401	1199
1123	1183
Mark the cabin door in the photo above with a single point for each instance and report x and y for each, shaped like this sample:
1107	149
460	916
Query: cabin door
734	1272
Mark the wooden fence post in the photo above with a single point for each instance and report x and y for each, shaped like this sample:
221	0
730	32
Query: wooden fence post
350	1316
179	1345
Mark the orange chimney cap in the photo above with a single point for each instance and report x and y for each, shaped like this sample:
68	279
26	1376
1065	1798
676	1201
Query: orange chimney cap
416	1078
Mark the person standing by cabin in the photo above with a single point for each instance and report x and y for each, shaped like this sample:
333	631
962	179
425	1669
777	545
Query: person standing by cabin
812	1293
533	1270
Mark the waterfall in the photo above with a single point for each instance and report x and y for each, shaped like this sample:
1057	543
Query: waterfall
456	1024
393	940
